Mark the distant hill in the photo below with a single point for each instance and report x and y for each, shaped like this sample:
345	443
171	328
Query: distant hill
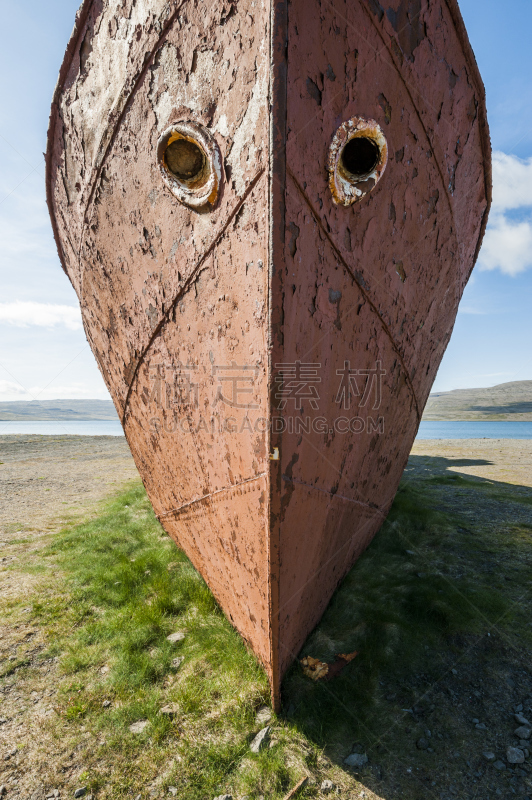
57	410
505	401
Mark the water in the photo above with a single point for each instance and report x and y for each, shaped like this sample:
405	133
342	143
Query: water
427	430
448	429
89	427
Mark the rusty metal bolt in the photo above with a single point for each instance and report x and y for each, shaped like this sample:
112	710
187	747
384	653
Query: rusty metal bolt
190	164
357	159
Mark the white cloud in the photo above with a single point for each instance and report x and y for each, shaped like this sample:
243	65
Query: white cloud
507	244
13	391
46	315
512	182
10	391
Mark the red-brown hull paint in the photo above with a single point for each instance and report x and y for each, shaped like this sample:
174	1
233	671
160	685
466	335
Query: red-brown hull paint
274	274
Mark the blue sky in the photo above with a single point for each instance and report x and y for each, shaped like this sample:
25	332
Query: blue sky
43	351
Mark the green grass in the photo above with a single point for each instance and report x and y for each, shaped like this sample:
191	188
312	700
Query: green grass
126	587
454	479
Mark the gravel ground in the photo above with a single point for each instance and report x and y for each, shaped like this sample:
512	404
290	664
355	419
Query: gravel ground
506	460
46	479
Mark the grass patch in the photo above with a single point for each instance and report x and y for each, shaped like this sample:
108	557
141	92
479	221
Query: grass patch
128	588
453	479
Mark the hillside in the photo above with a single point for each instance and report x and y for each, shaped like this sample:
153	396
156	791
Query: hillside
505	401
57	410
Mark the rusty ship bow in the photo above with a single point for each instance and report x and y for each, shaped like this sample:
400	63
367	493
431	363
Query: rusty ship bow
269	213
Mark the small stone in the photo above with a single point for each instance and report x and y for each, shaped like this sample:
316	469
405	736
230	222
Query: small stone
475	721
264	715
172	790
326	787
224	797
422	744
454	671
523	732
140	726
480	727
356	760
521	719
489	756
260	740
104	670
499	765
81	792
106	703
138	797
178	636
515	756
169	710
176	662
518	708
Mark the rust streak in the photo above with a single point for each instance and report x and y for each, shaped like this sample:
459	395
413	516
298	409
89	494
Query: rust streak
116	125
188	283
335	494
414	106
362	291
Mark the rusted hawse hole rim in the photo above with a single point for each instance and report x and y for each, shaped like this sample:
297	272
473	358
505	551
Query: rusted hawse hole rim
190	164
357	159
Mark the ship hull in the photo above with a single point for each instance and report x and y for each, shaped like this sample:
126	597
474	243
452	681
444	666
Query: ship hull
270	349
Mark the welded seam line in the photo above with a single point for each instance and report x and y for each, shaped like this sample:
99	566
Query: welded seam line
361	288
461	33
211	494
418	114
376	509
166	316
102	158
72	47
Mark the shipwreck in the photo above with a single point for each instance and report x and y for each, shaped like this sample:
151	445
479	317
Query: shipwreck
269	212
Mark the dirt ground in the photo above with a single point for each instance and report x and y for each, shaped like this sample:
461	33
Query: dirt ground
47	481
505	460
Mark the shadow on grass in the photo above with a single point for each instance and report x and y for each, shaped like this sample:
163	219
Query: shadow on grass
421	597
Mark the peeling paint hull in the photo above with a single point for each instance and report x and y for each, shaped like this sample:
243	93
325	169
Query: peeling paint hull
270	355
